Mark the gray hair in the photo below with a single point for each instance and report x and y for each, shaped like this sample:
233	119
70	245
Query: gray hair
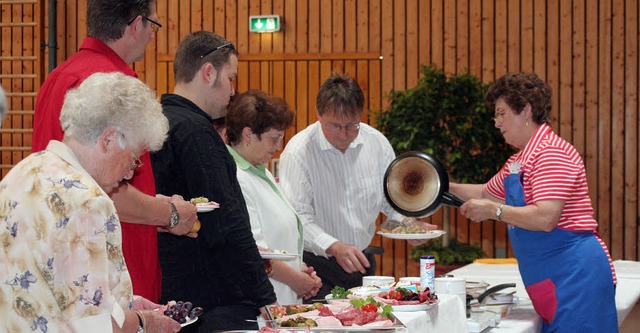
114	99
4	107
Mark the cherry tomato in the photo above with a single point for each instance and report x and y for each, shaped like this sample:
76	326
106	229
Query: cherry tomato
369	308
394	294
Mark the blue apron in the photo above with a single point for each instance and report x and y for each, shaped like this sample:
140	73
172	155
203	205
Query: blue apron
566	273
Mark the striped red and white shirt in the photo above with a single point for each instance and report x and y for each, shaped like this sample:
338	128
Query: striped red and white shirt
553	170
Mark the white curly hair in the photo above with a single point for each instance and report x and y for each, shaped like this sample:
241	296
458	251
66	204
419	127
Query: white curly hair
114	99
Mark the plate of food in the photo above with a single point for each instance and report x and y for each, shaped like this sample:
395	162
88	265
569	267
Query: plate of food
277	255
428	234
359	315
414	307
408	299
207	207
182	312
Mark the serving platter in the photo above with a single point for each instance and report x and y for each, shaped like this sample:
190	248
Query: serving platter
415	307
273	322
428	235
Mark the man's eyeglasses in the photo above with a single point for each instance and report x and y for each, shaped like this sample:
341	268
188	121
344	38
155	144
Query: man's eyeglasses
337	128
155	26
229	45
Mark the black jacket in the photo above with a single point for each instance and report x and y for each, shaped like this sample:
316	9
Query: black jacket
222	266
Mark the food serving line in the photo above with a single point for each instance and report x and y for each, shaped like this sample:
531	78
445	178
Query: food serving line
450	314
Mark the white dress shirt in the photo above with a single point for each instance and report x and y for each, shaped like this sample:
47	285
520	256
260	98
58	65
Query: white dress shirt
337	195
273	221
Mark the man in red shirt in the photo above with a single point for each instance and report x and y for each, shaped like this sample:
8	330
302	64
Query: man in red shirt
119	31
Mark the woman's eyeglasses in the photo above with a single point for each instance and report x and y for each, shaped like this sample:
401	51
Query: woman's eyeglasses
276	139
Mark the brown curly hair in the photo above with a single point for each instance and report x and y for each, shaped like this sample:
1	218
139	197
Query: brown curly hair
520	89
259	111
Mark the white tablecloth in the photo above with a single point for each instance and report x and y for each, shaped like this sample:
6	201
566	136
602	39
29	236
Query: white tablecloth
524	319
449	316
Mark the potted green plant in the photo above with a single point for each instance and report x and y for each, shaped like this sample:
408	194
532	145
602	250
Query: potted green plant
449	257
446	117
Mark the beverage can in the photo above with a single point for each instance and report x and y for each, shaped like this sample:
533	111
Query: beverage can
427	273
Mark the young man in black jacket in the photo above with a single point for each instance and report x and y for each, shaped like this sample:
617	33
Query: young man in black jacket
221	270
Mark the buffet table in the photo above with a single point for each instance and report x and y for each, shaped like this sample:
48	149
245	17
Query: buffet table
450	314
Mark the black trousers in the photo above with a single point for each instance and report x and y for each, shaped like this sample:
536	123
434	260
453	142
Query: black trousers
333	275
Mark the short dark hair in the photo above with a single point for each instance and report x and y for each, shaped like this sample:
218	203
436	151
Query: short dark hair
107	19
258	111
198	48
340	94
520	89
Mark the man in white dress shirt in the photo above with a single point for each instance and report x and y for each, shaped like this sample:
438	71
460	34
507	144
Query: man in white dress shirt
332	172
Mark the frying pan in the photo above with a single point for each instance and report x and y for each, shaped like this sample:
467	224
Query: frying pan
416	185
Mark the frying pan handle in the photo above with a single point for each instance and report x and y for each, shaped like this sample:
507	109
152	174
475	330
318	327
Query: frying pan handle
451	200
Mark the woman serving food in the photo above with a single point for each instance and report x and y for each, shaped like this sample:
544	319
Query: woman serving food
542	195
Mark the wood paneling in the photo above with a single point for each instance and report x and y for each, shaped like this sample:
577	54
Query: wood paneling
586	50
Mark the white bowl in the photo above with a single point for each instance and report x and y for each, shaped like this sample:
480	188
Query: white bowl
380	281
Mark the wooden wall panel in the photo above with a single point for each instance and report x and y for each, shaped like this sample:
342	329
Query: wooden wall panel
586	50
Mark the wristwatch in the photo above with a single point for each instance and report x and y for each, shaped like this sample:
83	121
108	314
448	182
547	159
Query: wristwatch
499	212
175	217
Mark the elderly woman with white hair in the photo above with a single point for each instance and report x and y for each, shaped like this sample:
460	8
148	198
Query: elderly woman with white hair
60	240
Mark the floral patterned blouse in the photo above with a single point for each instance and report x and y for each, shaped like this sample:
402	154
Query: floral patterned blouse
61	263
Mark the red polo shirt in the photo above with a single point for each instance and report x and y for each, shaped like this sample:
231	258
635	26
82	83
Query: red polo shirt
139	242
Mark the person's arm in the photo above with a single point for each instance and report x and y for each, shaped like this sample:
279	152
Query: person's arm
540	216
152	321
468	191
552	184
134	206
305	285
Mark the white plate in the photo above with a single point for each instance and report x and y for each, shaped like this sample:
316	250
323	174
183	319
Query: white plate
430	234
414	307
189	321
278	256
206	207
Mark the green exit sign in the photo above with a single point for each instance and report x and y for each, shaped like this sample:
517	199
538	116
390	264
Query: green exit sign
264	23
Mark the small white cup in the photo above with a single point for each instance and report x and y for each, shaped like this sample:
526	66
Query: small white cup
379	281
453	286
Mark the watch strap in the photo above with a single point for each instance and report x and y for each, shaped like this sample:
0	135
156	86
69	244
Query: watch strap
499	212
